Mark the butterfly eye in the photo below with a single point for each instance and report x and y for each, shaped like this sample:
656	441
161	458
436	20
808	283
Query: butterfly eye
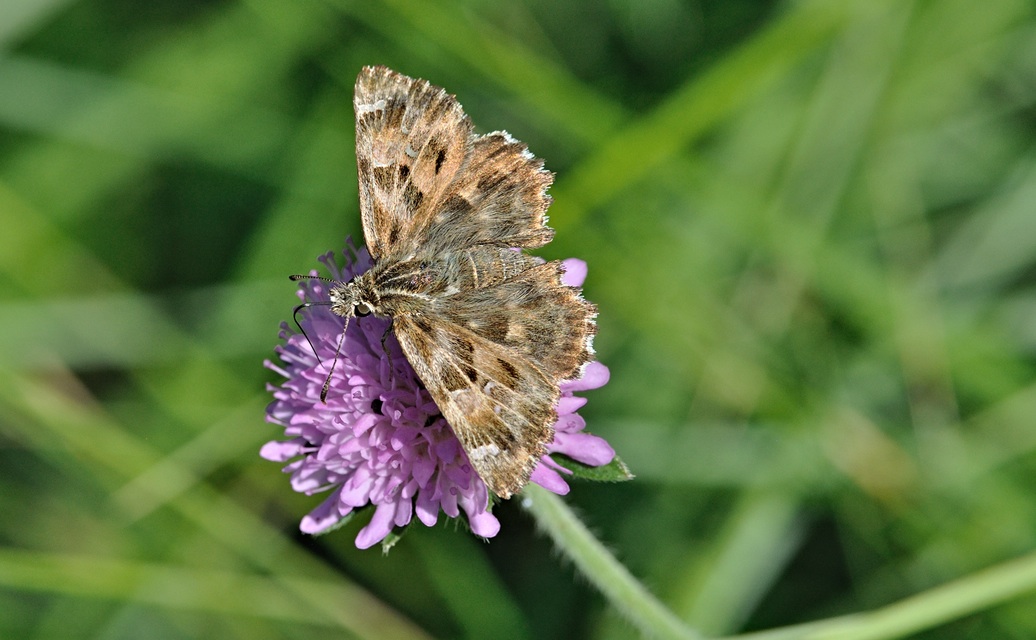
362	309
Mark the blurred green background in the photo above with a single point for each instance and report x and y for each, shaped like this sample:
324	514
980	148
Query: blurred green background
811	233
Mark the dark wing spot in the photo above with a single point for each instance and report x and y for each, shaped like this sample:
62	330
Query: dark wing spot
439	159
496	329
384	177
413	196
404	172
394	232
394	111
491	182
460	347
499	434
470	373
423	325
465	345
454	211
452	380
509	371
457	205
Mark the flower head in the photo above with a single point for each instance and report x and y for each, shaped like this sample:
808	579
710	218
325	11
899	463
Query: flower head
380	439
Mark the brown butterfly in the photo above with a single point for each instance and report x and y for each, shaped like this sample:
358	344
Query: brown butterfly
490	330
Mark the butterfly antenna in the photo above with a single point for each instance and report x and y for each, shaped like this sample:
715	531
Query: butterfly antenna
295	317
295	313
299	276
341	340
327	382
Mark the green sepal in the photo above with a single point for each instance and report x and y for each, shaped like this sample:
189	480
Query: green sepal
392	538
341	523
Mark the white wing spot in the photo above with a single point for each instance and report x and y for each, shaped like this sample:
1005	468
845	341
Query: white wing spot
368	108
382	156
515	333
466	399
485	451
410	151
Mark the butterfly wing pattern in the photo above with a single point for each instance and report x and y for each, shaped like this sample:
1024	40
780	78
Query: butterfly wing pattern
490	330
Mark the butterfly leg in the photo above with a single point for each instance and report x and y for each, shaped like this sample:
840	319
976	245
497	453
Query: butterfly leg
385	336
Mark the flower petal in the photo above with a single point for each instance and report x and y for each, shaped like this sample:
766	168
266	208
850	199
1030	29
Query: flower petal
484	524
569	404
379	526
427	508
595	375
584	447
323	517
575	272
549	479
281	451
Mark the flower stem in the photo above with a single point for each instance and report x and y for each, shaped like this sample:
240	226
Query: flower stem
602	569
925	610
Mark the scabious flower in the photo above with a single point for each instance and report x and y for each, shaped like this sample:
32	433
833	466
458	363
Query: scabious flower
380	439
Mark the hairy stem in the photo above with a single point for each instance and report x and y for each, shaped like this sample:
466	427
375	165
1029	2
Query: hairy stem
601	568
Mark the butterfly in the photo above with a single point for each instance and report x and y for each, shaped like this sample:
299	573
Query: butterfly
447	214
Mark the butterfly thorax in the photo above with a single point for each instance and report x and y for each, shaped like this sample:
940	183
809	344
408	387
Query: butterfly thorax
390	288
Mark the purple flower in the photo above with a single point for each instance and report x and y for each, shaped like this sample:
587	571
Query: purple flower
380	439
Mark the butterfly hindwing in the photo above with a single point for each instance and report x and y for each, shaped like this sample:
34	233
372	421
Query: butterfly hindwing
499	198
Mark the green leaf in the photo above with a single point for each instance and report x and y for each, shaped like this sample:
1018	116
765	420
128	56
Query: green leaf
614	471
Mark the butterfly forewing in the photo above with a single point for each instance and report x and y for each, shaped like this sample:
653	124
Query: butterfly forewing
427	182
411	140
500	407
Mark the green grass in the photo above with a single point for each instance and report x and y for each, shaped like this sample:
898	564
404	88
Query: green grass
811	231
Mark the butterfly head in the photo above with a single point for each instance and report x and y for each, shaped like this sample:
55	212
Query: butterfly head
350	299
